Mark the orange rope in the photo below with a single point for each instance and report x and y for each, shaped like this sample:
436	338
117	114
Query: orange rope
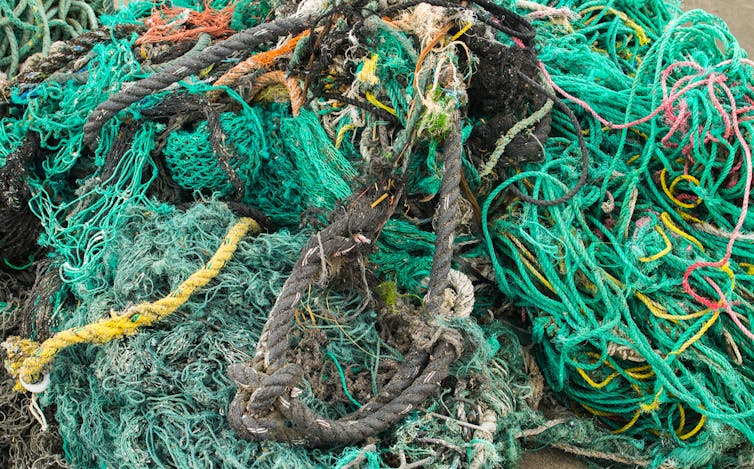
278	77
423	54
260	60
175	24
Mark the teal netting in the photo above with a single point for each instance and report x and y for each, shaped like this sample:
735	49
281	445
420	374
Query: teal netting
636	294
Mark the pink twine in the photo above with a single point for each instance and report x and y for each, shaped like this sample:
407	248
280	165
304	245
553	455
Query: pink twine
729	309
736	231
552	12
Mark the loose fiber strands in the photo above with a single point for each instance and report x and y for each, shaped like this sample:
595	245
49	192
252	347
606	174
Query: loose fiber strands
175	24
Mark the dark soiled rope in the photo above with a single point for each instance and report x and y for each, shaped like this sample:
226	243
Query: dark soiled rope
501	18
582	146
266	406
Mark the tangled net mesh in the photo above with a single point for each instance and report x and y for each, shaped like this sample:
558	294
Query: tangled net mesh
602	225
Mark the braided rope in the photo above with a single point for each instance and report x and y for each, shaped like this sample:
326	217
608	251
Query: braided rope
276	77
256	61
266	405
447	216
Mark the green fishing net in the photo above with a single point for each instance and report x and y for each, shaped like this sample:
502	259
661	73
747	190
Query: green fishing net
589	309
282	176
158	399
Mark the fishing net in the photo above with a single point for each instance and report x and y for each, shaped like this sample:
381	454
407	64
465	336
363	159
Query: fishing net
374	234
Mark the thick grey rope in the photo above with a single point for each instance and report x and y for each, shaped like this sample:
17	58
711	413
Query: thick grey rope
447	218
319	431
202	42
336	239
311	429
419	376
188	65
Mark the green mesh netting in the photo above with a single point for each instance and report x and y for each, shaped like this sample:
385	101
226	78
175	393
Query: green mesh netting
125	403
599	279
282	176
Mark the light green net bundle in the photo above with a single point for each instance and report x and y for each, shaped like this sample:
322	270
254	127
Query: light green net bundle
158	399
281	176
169	381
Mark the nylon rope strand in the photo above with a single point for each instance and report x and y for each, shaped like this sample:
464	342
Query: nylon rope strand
31	27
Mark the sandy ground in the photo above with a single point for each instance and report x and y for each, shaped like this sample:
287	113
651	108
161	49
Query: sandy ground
739	14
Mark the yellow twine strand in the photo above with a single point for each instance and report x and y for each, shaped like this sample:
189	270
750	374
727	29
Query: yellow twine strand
530	261
368	72
641	373
628	425
682	424
670	191
697	336
661	254
689	217
682	418
687	178
595	384
694	430
342	134
463	31
372	99
655	404
665	217
27	359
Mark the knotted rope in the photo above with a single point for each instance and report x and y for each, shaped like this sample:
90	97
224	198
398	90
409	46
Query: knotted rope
266	405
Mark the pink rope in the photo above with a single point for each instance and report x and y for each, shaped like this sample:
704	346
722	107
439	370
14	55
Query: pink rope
552	12
729	309
734	234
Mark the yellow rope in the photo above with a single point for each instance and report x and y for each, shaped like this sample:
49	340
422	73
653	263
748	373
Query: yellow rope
661	254
628	425
368	72
670	191
372	99
695	430
342	133
665	217
27	359
463	31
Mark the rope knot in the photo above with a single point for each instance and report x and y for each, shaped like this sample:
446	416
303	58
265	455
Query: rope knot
264	390
459	296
